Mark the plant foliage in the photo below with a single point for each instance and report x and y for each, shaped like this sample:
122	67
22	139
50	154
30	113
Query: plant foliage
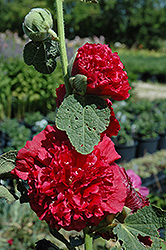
139	225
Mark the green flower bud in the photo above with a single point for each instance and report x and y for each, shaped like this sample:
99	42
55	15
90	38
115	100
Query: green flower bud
79	84
38	25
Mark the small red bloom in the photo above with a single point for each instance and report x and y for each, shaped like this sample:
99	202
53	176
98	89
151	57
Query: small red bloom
10	242
104	71
66	189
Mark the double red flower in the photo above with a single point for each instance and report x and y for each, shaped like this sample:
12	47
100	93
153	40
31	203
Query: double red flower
104	71
69	190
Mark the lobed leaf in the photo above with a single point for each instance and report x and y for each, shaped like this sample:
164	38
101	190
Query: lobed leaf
83	119
42	55
139	231
5	193
7	163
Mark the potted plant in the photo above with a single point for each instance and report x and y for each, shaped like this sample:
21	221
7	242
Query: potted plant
16	134
160	119
146	133
125	143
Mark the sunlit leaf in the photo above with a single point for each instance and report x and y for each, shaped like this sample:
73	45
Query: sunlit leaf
140	229
7	163
83	119
5	193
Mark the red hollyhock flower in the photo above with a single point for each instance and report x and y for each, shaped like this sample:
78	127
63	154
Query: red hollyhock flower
104	71
66	189
114	126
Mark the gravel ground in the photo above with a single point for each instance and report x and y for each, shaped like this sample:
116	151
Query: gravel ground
149	90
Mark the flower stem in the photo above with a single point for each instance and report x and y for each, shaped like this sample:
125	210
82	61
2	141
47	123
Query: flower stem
88	240
61	35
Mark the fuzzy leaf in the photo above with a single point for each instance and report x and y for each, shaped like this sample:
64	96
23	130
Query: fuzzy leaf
7	163
42	55
4	193
163	245
83	119
142	225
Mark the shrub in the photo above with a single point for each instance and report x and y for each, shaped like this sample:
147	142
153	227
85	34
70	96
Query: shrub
25	90
144	65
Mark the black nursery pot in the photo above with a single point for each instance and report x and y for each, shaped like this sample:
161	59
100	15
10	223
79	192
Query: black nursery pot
147	146
155	183
162	142
2	141
127	153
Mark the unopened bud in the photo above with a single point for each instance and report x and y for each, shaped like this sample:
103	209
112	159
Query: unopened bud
79	84
38	25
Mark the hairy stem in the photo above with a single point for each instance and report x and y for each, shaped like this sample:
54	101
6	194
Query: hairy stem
61	35
88	240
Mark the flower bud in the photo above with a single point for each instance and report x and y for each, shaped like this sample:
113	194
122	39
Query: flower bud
79	83
37	25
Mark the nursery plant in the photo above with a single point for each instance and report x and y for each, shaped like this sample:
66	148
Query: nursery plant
127	131
67	172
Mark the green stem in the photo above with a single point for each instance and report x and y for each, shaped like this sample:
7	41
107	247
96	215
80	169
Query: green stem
88	240
61	35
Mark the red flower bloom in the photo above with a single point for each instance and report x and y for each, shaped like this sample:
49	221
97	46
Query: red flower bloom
10	242
104	71
66	189
114	126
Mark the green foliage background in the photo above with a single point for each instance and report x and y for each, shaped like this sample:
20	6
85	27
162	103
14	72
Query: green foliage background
25	90
132	22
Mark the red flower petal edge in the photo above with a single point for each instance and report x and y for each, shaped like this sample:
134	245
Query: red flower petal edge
134	199
104	71
114	126
60	93
66	189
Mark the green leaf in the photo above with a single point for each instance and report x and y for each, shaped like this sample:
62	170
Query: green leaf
4	193
163	245
42	55
7	163
145	223
83	119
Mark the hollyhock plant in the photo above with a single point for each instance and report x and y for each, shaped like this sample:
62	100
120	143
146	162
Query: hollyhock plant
104	71
73	180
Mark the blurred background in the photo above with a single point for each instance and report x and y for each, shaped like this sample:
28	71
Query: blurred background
136	29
